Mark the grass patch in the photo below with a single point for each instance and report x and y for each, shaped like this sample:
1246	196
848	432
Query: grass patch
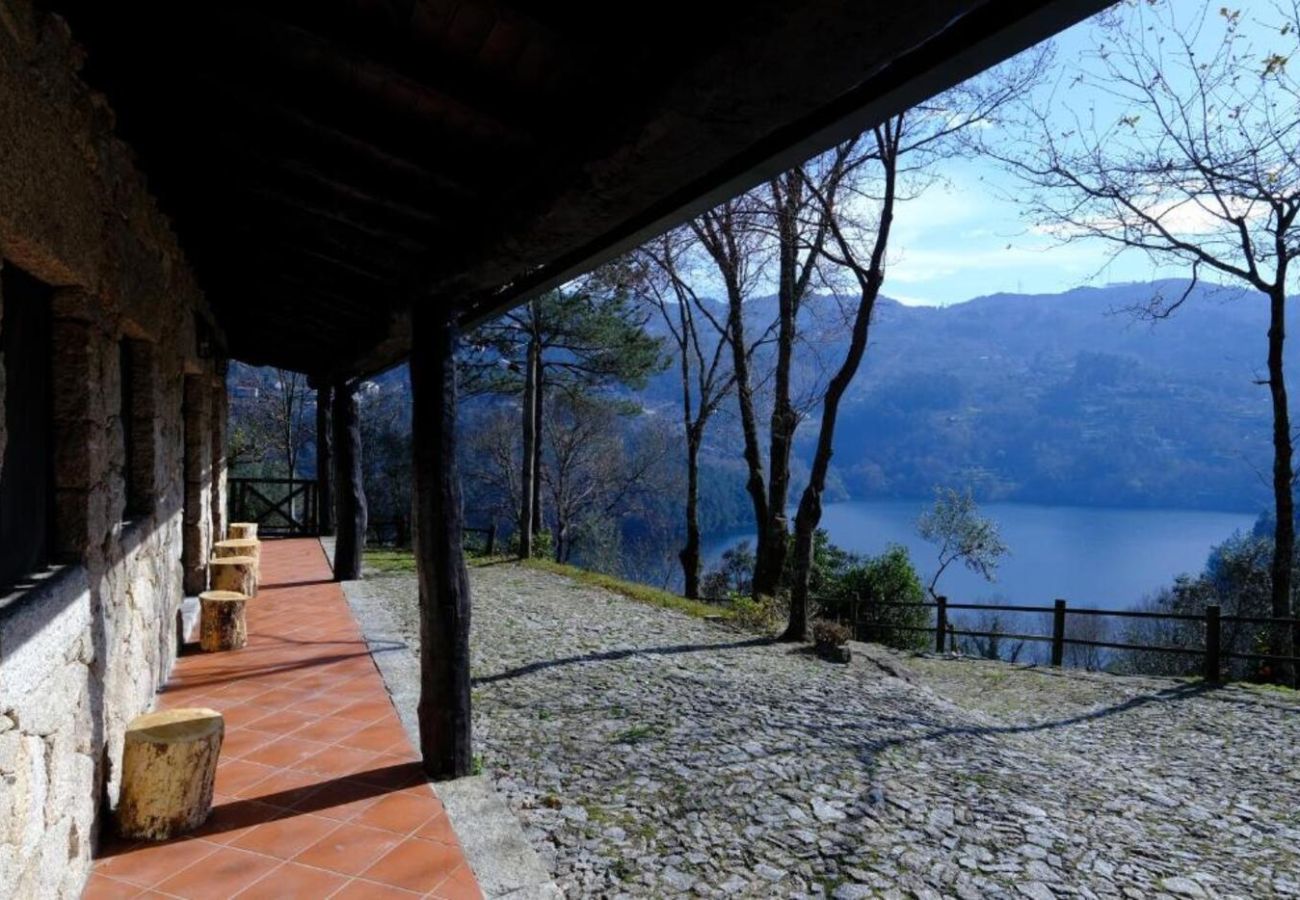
390	562
1280	690
636	734
639	592
402	562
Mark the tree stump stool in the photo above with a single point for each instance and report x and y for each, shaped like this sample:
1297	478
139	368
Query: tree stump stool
241	530
234	573
169	764
239	547
221	622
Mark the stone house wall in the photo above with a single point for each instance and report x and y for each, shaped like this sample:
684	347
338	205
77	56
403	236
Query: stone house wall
85	645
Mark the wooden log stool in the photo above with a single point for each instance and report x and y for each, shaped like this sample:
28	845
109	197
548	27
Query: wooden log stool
234	573
169	764
241	530
239	547
221	621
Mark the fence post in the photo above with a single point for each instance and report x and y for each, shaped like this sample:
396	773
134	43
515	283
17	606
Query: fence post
1212	640
1058	633
492	539
940	623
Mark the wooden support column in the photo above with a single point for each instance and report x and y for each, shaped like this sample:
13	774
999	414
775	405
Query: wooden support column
444	709
324	460
349	485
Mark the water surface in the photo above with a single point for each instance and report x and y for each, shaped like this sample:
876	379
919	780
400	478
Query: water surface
1106	558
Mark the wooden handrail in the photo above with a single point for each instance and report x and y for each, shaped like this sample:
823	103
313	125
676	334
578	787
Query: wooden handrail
1212	652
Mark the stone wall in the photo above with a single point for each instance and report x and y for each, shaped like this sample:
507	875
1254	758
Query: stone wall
84	647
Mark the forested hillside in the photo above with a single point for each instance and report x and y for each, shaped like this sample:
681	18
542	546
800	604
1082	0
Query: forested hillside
1067	398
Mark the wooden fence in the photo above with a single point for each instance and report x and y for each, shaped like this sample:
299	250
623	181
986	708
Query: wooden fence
397	533
1212	651
277	505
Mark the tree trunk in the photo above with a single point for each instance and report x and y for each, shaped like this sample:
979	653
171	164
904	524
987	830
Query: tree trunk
754	485
770	566
234	573
690	553
539	409
527	486
324	460
169	767
349	484
869	280
241	531
1281	642
250	547
222	625
444	707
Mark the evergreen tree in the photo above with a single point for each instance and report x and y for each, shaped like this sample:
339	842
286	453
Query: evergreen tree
578	340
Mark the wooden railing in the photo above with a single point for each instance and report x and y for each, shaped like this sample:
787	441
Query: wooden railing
397	533
277	505
1211	651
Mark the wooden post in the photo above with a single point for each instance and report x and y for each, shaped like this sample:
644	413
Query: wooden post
444	708
940	623
169	765
324	459
349	487
234	573
1058	633
222	625
1213	637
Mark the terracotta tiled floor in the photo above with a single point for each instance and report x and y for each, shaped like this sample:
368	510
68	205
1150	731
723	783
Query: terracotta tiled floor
318	792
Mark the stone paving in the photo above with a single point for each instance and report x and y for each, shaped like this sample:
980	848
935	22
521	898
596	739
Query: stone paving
650	754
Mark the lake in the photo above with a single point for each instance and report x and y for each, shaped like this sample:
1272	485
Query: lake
1092	557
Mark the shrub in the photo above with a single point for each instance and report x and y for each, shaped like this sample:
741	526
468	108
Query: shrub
891	579
734	574
827	633
766	614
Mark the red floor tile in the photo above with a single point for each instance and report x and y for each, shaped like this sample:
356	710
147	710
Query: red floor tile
350	849
285	838
415	865
402	813
101	887
291	881
359	889
219	876
318	793
151	863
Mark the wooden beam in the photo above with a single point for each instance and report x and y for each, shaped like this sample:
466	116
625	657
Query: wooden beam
327	140
444	708
325	459
279	203
350	491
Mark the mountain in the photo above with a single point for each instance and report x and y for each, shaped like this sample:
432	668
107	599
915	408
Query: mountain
1058	399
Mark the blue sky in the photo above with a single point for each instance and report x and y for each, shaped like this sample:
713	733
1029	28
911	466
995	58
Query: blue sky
967	237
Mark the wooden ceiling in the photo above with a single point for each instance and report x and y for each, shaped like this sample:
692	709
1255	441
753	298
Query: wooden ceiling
329	163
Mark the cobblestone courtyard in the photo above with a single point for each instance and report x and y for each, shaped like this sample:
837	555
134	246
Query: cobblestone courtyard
648	753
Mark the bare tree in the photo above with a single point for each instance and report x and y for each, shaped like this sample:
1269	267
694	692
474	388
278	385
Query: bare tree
272	419
856	188
1186	150
492	462
593	473
994	643
660	270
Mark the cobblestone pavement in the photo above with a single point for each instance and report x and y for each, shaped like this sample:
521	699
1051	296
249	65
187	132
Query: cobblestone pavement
650	754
